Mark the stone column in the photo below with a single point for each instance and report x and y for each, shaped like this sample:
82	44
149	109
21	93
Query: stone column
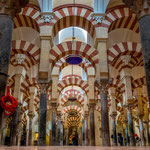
126	133
125	120
130	124
19	78
31	115
86	115
83	134
8	10
113	113
53	133
147	133
92	123
141	130
104	113
140	114
142	9
42	112
59	129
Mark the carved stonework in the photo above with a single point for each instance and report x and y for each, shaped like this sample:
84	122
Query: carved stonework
12	7
139	7
103	85
126	59
47	17
43	87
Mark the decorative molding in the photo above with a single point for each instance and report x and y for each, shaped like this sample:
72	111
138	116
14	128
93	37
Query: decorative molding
139	7
126	59
20	58
98	17
12	7
47	16
43	87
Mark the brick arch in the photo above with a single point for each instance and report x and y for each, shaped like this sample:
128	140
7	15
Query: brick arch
76	94
138	82
28	47
73	81
72	107
123	47
32	12
128	22
68	21
118	84
116	14
81	13
80	48
25	21
27	63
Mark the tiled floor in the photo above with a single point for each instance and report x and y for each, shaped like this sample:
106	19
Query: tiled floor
74	148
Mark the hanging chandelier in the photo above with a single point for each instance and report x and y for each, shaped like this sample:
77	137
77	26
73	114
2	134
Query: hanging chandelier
73	59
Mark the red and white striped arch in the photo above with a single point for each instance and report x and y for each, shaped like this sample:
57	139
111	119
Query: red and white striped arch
27	63
72	107
31	12
73	81
118	84
129	22
30	48
138	82
74	93
81	16
80	48
28	83
123	47
116	14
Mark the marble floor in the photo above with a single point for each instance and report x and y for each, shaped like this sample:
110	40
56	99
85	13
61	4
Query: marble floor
74	148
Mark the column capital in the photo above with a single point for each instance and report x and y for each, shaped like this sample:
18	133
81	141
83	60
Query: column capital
31	114
43	85
113	115
54	105
12	7
86	114
139	7
103	85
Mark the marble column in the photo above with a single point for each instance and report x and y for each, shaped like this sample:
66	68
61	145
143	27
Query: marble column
113	115
83	133
53	133
31	116
147	133
130	124
104	114
126	133
42	113
86	115
6	29
92	124
59	129
141	130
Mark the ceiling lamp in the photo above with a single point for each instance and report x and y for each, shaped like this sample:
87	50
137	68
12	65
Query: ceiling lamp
74	59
